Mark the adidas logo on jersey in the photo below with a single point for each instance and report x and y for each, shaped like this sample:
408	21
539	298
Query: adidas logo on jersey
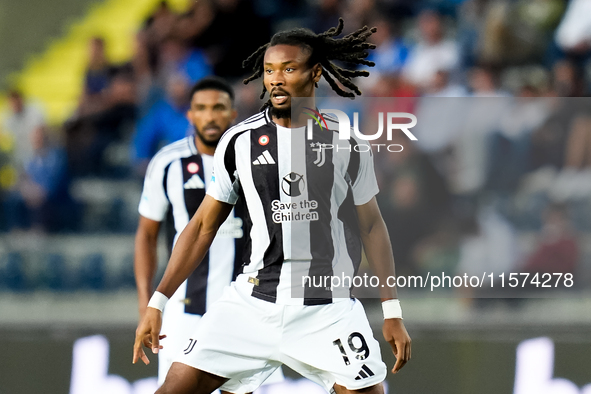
195	182
265	158
364	373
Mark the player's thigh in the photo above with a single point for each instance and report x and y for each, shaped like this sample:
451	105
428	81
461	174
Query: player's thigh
336	344
375	389
183	379
227	392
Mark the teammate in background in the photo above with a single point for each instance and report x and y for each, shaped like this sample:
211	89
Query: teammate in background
175	185
258	324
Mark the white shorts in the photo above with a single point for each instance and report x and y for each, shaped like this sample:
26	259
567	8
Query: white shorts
245	339
178	327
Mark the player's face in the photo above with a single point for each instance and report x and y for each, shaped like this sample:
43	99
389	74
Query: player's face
211	114
287	74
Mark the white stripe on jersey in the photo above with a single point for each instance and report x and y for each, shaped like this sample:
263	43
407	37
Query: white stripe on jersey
180	148
289	147
252	122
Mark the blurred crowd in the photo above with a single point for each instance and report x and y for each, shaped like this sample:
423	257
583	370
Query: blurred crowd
484	171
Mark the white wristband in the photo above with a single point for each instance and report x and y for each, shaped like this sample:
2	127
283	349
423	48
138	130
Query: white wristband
392	309
158	301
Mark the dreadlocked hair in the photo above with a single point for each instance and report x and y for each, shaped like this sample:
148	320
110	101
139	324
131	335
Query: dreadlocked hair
325	49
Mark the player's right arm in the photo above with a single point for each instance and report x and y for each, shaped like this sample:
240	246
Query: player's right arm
189	250
153	206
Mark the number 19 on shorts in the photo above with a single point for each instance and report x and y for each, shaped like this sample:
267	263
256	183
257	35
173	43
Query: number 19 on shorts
357	344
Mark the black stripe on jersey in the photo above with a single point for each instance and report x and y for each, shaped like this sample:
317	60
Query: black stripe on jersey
354	162
169	224
197	288
266	182
347	214
243	245
169	230
194	192
230	156
165	181
193	195
320	184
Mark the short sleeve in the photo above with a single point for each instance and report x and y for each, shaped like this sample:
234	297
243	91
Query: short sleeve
365	185
224	179
154	203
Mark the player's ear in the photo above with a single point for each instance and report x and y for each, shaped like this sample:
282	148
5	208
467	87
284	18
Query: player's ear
316	72
188	116
234	114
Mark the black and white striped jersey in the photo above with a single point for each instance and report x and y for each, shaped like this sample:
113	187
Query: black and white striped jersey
300	218
174	186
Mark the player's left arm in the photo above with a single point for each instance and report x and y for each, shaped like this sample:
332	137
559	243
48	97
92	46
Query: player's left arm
378	250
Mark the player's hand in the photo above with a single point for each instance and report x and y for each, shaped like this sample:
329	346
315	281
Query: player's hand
147	334
396	335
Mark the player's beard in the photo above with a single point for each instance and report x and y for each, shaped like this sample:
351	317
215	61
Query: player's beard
210	143
281	113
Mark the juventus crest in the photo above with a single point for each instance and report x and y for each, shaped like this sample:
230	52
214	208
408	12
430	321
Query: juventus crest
320	149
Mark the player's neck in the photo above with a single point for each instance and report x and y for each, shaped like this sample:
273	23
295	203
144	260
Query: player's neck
284	122
290	123
203	148
297	115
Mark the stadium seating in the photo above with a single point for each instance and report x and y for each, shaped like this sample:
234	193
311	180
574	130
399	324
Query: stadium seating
12	272
92	273
126	277
54	273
